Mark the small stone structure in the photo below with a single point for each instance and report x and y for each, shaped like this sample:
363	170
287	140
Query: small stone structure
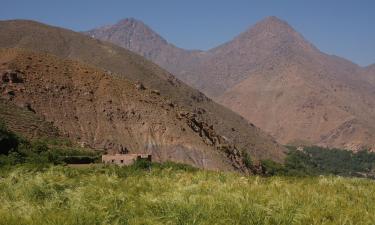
125	159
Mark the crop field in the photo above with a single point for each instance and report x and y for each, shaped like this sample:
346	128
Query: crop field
178	195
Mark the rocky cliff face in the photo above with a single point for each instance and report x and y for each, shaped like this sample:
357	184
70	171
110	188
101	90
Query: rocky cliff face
275	78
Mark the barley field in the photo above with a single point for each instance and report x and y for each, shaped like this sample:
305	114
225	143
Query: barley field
111	195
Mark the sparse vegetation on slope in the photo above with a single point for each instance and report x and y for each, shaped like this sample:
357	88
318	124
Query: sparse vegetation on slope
169	195
15	150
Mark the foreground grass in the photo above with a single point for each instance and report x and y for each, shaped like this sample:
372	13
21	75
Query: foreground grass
63	195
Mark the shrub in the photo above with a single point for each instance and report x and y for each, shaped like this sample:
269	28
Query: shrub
39	146
78	159
175	166
142	164
247	160
8	140
272	168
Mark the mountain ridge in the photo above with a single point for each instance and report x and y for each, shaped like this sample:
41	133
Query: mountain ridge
269	18
272	51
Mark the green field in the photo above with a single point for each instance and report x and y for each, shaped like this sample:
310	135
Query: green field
178	195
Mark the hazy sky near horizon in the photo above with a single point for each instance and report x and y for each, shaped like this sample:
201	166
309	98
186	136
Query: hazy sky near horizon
341	27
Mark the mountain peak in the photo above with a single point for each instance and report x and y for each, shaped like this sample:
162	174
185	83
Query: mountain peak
275	34
272	24
127	24
127	32
130	21
272	19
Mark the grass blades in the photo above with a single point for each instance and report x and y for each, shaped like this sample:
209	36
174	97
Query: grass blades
111	195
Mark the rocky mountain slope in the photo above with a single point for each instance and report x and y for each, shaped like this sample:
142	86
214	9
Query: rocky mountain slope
299	94
370	73
23	120
116	61
212	71
134	35
107	112
275	78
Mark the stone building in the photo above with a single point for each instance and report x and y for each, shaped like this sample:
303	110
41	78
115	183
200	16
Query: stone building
125	159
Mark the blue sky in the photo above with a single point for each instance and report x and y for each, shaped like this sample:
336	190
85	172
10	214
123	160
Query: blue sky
342	27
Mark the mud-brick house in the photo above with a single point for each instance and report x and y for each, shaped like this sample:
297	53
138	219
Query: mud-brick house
125	159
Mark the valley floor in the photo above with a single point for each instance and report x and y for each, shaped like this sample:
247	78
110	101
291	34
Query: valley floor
112	195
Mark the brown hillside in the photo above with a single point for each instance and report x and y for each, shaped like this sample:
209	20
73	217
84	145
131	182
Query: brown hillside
370	73
299	94
311	110
107	112
22	120
72	45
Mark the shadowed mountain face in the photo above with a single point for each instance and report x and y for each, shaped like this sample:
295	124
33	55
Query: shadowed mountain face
275	78
106	127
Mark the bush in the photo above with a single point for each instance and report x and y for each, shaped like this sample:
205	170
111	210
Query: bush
272	168
142	164
12	158
247	160
175	166
78	159
39	147
8	140
298	163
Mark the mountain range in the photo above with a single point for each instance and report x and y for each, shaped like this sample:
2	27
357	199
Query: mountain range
106	97
272	76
